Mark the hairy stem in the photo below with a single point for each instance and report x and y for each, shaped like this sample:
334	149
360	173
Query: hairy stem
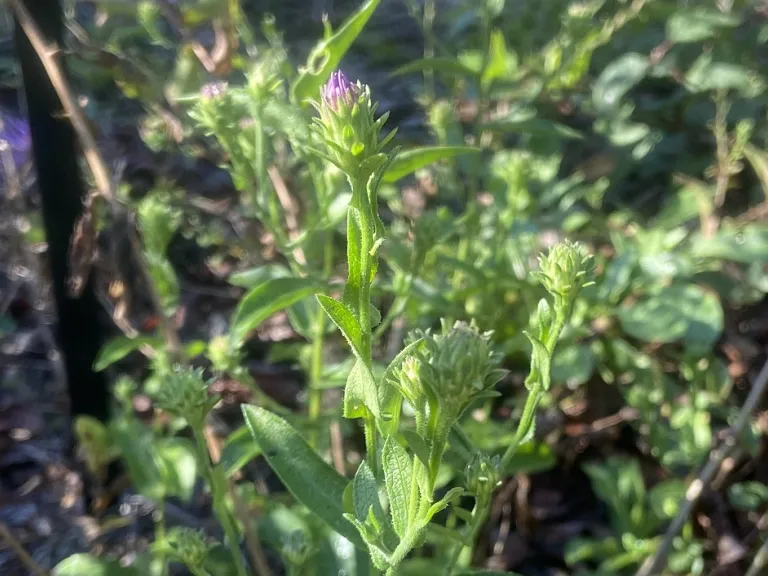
219	501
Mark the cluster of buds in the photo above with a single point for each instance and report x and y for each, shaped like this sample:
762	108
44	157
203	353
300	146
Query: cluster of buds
563	271
189	547
184	393
449	370
348	128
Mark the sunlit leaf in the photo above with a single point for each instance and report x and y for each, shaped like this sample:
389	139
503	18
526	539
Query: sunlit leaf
82	564
618	78
120	347
409	161
327	54
266	299
311	480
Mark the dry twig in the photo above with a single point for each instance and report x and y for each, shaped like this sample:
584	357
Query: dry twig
95	160
655	564
29	563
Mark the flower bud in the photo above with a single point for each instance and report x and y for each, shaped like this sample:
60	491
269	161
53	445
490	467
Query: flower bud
185	394
482	474
563	270
453	367
188	546
347	125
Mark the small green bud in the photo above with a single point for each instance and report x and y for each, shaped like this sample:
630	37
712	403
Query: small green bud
482	474
451	367
185	394
563	271
188	546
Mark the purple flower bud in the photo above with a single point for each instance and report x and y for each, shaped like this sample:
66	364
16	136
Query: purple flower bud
338	88
213	90
15	131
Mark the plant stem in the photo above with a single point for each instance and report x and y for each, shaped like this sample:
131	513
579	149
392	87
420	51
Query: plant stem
159	518
316	363
480	514
219	500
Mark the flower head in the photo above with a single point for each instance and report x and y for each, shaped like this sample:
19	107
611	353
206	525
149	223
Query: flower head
339	88
563	270
184	393
451	368
188	546
348	128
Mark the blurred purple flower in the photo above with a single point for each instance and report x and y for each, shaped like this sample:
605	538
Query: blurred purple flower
339	87
213	90
15	131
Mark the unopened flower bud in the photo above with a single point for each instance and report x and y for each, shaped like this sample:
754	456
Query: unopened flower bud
482	474
348	128
184	393
563	271
188	546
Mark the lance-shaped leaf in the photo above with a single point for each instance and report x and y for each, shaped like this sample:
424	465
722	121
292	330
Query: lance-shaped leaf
411	160
310	479
398	473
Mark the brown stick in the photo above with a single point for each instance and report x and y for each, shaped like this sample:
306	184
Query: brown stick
23	556
101	174
655	564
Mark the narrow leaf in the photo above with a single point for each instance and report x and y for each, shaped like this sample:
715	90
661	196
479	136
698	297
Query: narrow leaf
327	54
398	472
345	320
80	564
307	476
266	299
120	347
411	160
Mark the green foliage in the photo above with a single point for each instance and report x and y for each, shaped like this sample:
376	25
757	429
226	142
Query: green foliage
636	129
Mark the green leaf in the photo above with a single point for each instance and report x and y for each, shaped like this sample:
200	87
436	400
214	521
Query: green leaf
239	449
501	63
85	564
678	312
307	476
618	78
699	23
120	347
266	299
447	66
411	160
748	495
134	441
365	493
743	244
390	400
346	321
179	466
252	277
398	472
418	446
705	75
327	54
360	393
573	365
